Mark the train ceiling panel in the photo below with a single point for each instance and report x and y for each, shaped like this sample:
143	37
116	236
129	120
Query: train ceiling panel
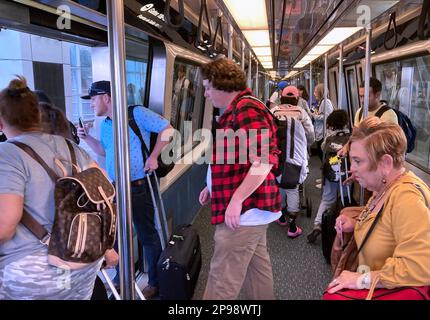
301	24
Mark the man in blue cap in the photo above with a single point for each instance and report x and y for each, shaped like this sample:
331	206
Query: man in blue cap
142	206
275	98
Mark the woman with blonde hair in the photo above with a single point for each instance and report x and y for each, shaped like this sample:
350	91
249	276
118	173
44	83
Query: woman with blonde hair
324	106
392	233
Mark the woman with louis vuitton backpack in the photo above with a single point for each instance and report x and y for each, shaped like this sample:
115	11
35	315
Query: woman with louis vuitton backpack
388	256
26	189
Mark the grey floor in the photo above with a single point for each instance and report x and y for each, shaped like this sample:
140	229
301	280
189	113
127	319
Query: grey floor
299	268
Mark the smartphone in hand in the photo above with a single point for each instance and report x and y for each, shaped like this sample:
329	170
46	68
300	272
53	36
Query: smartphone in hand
81	125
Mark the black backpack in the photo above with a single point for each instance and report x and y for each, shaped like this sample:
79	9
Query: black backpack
163	169
331	147
281	133
404	122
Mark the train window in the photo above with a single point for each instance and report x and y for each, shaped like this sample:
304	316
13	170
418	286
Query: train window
406	86
81	79
187	103
352	89
136	78
332	83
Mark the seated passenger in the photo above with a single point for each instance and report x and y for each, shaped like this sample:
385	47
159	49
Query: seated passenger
397	253
303	136
337	132
24	269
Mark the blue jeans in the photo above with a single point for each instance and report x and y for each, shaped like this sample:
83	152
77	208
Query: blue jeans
144	223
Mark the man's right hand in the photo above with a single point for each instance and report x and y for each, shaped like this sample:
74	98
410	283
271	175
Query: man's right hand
204	196
82	132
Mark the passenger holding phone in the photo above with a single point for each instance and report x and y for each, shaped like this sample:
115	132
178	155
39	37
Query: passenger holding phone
143	210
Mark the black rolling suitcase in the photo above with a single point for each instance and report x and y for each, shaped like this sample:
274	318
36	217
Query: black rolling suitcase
179	265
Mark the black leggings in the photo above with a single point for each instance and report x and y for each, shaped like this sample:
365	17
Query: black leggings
319	150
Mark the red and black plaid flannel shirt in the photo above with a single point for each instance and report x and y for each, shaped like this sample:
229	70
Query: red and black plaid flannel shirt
230	166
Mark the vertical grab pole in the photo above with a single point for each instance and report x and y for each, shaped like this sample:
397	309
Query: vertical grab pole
249	69
256	80
230	41
340	79
310	86
366	87
116	38
325	92
243	56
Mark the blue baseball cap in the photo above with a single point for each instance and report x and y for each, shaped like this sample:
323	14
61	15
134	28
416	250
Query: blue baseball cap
282	85
97	88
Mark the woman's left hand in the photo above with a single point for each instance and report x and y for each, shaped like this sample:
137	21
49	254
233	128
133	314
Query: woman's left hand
347	279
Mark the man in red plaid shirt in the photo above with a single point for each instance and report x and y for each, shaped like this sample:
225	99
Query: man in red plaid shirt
241	186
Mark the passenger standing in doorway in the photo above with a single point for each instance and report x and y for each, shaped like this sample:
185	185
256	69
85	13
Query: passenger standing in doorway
143	210
24	270
244	195
324	107
375	104
375	88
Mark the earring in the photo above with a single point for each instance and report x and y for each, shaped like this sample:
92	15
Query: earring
384	180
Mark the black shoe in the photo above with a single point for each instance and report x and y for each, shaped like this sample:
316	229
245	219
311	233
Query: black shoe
312	237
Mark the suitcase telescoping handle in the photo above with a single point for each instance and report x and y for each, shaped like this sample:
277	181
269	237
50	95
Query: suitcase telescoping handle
159	212
115	291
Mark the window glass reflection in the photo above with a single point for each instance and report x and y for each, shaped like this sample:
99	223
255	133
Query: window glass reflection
187	104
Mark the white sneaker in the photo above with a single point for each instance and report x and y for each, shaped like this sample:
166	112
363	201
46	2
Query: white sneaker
318	180
318	186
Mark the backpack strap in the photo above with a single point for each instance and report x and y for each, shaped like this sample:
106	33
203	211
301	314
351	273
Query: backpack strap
292	132
378	114
72	156
382	110
34	227
27	149
27	219
133	125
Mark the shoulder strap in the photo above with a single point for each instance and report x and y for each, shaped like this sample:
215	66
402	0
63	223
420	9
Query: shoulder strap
27	220
292	133
382	110
34	227
136	130
72	156
27	149
378	216
380	213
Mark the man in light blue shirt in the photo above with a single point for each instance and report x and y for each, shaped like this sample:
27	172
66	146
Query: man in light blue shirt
142	206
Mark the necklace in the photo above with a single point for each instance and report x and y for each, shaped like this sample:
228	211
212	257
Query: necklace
375	199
